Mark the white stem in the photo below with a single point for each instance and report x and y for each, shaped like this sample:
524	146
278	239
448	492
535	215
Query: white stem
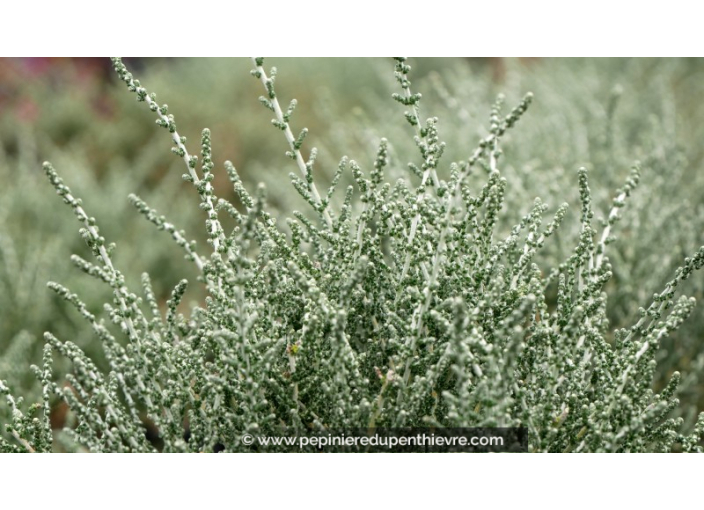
434	174
422	308
23	442
108	263
607	230
291	141
215	228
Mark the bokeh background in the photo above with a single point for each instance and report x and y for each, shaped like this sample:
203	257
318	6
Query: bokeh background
600	113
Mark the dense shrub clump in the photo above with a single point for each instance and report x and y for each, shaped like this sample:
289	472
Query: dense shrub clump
394	302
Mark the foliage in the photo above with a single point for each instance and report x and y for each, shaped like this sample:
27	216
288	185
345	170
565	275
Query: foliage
428	294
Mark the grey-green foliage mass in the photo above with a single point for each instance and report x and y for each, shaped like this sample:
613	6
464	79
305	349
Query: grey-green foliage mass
422	294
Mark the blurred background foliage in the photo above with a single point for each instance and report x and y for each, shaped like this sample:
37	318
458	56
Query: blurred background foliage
600	113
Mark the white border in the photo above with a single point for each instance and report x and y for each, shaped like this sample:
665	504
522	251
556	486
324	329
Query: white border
359	27
353	480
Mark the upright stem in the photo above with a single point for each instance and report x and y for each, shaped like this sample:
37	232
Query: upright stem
291	141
